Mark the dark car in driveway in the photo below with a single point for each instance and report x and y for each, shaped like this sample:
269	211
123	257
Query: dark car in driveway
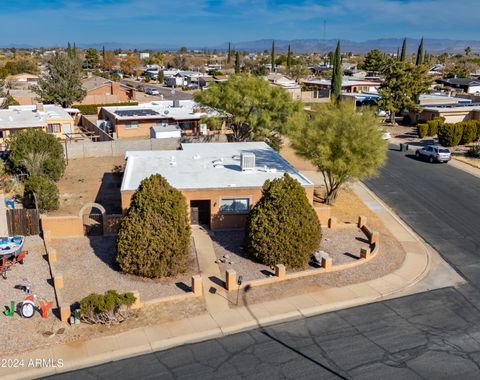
434	153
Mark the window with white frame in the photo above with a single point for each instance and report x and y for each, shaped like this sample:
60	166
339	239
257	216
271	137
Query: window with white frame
235	205
131	124
54	128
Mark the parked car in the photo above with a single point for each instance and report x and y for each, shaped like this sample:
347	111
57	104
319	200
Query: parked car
434	153
140	88
152	91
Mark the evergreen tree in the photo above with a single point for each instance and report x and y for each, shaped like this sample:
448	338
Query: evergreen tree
289	58
229	55
403	54
283	227
336	83
103	52
420	54
237	62
62	83
69	50
74	51
154	236
272	56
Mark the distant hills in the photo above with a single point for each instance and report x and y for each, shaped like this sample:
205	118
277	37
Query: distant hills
389	45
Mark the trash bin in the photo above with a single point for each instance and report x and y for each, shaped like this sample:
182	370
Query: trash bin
403	147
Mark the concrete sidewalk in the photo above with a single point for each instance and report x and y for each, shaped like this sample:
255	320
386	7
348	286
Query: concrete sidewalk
221	320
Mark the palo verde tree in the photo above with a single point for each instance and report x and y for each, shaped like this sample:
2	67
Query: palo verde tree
336	83
402	87
283	227
154	236
254	110
344	145
61	84
37	153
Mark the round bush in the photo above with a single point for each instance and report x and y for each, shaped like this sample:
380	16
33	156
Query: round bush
283	227
450	134
154	236
422	130
469	133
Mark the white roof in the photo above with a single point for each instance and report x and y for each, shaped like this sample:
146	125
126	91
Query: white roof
187	110
28	116
346	81
208	166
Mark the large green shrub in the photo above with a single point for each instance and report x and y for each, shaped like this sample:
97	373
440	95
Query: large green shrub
92	109
37	153
450	134
283	227
434	125
154	236
469	132
105	308
422	130
43	191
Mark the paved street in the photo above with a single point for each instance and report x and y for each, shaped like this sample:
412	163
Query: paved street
166	92
433	335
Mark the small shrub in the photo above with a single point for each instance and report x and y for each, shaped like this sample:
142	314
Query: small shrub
434	125
92	109
422	130
474	151
450	134
469	132
44	191
105	308
283	227
154	236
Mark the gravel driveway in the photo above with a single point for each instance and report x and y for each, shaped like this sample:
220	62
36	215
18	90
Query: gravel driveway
88	265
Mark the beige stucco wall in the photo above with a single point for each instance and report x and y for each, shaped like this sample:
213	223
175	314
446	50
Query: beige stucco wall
217	219
62	226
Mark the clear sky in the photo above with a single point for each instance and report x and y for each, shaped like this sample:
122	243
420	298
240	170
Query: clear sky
204	23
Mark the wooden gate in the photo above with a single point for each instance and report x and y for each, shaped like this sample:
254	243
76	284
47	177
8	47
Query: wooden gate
23	222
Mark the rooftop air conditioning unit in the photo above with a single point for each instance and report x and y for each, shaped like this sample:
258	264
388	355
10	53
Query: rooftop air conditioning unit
247	160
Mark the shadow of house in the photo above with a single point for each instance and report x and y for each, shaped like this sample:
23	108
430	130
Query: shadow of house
109	193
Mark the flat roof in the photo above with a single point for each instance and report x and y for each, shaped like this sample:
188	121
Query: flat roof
208	166
18	117
346	81
453	107
162	109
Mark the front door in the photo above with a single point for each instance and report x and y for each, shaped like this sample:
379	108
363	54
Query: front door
200	212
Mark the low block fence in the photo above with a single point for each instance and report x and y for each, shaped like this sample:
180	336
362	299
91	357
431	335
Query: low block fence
65	309
327	266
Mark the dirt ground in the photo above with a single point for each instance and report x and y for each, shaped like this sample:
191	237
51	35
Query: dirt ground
91	180
88	266
343	245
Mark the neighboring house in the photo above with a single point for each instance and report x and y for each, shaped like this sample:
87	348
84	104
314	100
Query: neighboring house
180	78
349	85
467	85
289	85
220	181
22	81
137	121
50	118
452	113
105	91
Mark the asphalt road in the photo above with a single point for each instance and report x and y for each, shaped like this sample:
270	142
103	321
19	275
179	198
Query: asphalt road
432	335
166	92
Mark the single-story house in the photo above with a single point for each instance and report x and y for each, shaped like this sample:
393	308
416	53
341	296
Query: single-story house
105	91
452	113
289	85
137	121
349	85
23	81
50	118
220	181
468	85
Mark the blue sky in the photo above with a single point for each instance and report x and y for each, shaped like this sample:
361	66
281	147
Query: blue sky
212	22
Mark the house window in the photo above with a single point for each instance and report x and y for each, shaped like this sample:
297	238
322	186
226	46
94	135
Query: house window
235	206
54	128
131	124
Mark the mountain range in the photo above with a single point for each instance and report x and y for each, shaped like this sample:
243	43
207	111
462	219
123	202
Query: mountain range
388	45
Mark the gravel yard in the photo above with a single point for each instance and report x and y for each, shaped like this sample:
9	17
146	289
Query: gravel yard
342	244
88	265
17	333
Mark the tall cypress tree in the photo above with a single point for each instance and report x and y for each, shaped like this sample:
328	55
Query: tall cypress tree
74	51
289	58
420	54
69	50
273	55
237	62
337	74
229	55
403	54
103	52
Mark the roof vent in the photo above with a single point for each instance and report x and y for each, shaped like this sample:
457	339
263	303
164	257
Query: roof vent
247	161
